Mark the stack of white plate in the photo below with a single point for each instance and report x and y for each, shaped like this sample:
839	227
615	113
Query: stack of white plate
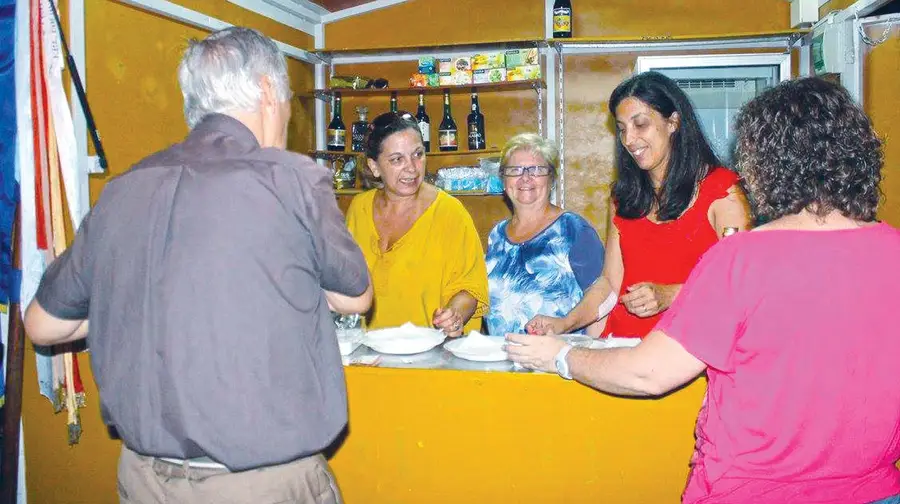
404	340
477	347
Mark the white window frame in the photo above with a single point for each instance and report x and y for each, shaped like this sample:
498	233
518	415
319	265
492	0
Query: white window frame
783	61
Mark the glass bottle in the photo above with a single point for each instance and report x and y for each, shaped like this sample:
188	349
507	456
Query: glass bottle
394	102
447	134
358	131
475	122
337	132
424	122
562	19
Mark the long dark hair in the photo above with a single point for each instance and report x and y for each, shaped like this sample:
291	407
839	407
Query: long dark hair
689	162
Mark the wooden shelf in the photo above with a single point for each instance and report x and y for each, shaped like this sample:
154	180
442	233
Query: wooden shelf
485	152
337	54
649	39
466	88
332	155
351	192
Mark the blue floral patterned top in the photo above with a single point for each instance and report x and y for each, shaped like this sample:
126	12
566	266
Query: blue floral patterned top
546	275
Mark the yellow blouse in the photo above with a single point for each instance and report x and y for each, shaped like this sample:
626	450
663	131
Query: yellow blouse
439	256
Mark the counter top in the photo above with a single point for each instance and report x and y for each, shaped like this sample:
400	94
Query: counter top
436	358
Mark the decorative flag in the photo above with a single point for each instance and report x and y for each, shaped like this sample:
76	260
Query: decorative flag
55	174
9	188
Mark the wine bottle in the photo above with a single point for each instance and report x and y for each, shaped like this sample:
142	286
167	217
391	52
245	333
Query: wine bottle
358	131
447	137
475	122
424	122
337	132
394	102
562	19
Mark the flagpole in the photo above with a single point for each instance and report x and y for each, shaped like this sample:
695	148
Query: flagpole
15	360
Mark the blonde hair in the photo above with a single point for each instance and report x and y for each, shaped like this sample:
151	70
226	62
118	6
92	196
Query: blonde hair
535	144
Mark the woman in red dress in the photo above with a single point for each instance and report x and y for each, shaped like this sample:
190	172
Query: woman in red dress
672	200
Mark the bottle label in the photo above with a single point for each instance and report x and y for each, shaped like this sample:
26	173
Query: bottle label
447	138
358	137
337	138
476	139
562	19
425	128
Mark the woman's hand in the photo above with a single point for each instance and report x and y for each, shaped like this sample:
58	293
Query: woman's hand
448	320
646	299
545	325
534	352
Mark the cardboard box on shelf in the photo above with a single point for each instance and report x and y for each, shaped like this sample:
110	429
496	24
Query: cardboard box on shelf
487	61
460	77
418	80
521	57
485	76
427	65
525	72
444	65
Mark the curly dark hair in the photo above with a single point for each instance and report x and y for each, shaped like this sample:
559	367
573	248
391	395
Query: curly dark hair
690	161
806	145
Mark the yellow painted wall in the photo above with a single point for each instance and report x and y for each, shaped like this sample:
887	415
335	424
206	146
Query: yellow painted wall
880	99
423	22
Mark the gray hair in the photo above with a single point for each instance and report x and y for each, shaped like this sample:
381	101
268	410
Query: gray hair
535	144
222	73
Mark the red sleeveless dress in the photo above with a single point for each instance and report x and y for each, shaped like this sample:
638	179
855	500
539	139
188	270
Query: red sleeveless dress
665	253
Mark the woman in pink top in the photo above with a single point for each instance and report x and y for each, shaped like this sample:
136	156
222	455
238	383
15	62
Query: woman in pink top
793	322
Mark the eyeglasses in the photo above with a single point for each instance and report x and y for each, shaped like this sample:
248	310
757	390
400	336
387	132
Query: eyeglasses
518	171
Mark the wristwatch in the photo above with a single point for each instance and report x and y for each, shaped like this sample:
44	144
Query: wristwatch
562	367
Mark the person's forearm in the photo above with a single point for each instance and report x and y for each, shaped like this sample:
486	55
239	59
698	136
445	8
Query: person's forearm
611	371
585	312
344	304
45	329
464	303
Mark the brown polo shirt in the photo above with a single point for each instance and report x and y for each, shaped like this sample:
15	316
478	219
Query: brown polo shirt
202	272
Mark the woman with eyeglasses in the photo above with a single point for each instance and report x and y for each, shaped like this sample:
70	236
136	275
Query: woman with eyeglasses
672	200
420	243
542	259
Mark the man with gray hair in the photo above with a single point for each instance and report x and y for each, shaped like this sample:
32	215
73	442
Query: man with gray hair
206	273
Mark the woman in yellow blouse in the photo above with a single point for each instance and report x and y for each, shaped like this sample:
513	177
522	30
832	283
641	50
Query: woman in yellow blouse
420	243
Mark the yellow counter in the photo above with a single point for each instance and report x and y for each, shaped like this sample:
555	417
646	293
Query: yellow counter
434	436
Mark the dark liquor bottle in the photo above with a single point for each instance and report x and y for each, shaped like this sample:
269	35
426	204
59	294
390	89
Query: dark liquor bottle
475	121
447	137
394	102
424	122
358	131
562	19
337	133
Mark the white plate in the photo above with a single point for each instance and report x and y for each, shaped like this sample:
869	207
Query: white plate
481	352
404	340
